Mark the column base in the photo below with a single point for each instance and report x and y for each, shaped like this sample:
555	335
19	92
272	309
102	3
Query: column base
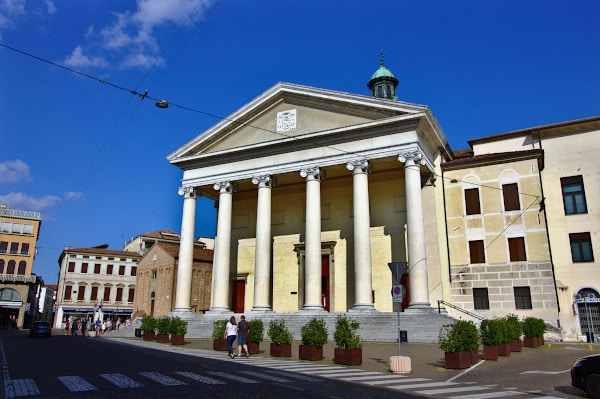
181	309
313	309
419	308
219	310
261	309
362	307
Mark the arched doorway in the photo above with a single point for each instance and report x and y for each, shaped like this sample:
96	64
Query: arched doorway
588	306
10	303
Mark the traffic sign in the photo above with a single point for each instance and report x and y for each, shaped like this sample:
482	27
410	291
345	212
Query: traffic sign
398	293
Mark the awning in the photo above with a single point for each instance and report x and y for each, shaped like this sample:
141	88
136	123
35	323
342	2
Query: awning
10	304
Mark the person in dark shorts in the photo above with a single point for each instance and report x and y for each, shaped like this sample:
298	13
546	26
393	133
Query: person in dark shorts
243	329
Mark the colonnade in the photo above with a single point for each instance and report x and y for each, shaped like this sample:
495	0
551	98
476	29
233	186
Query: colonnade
417	257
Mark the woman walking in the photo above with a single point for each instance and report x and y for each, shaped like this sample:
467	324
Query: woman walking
230	335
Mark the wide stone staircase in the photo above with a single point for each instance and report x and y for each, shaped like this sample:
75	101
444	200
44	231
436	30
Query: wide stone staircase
420	325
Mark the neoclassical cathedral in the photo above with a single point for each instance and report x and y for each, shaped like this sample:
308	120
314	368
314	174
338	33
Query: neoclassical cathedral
326	200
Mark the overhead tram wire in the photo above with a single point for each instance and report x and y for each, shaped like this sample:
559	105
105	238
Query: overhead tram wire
146	94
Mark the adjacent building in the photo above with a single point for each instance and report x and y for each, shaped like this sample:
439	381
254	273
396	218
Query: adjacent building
19	232
94	283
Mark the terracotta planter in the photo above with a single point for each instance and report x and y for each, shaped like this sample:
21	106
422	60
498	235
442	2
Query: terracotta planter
490	352
515	345
177	340
254	348
349	357
162	338
531	342
474	356
148	336
281	350
220	345
504	349
310	352
458	360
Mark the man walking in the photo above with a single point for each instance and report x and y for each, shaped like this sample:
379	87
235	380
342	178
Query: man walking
243	330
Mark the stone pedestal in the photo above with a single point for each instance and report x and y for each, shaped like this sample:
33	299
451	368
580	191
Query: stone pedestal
400	364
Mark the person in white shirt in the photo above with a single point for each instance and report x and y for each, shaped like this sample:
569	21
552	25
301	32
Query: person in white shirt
230	335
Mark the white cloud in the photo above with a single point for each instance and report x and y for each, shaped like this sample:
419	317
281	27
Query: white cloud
10	12
24	202
51	8
78	59
14	171
131	36
73	195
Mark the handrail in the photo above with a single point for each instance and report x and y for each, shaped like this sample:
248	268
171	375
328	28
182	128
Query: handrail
474	315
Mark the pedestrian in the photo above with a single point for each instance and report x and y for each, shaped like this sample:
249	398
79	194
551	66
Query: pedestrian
98	326
67	326
230	335
74	326
103	327
243	330
108	325
83	326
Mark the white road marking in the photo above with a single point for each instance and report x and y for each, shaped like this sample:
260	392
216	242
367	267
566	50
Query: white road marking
546	372
402	381
162	379
233	377
200	378
452	390
75	383
122	381
265	376
25	387
488	395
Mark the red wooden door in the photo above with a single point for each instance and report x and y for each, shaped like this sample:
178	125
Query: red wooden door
239	292
325	282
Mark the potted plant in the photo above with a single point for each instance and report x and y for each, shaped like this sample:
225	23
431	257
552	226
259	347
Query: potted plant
219	343
460	343
178	329
281	339
255	335
349	346
163	326
534	329
313	335
148	328
505	338
515	330
491	335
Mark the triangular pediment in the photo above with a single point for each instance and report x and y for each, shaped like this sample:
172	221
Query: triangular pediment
291	111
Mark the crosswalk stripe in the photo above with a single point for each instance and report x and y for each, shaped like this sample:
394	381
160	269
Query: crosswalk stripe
487	395
374	377
422	385
387	382
25	387
266	376
344	373
295	376
233	377
452	390
76	384
122	381
161	378
200	378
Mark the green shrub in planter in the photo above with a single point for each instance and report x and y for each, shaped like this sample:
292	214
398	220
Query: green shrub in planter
148	323
345	334
460	336
178	326
514	327
278	332
314	333
491	332
534	327
163	325
219	329
256	327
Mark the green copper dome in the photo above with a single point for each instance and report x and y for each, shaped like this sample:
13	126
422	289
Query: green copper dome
383	72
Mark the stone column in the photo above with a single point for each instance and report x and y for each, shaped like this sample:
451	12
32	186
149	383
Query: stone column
220	280
417	254
363	285
183	291
262	260
312	240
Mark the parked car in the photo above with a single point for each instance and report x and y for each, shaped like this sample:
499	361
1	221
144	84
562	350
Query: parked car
585	375
40	327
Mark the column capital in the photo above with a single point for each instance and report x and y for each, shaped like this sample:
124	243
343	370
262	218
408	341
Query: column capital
411	158
187	192
264	181
359	166
224	187
312	173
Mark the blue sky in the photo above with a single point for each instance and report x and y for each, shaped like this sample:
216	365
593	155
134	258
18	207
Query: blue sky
92	158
